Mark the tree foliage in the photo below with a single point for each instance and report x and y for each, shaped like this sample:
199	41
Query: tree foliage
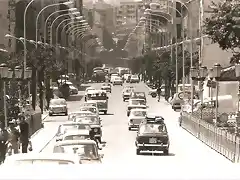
223	27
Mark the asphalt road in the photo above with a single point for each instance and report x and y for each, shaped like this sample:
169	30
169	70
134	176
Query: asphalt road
120	147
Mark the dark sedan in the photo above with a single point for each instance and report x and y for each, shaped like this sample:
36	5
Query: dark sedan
152	138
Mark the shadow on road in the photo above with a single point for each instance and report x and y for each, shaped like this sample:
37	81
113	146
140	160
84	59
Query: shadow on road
157	154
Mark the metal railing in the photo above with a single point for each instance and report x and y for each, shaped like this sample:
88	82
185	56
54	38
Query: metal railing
219	139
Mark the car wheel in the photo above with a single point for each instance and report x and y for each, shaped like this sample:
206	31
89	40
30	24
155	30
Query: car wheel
129	128
50	114
124	100
138	152
174	109
66	113
166	152
105	112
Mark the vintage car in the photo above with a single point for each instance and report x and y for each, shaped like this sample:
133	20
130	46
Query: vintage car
117	81
87	91
178	99
138	95
92	109
86	150
134	79
106	87
152	138
136	104
101	98
98	76
71	126
95	125
73	115
136	117
42	158
58	106
126	93
73	90
78	134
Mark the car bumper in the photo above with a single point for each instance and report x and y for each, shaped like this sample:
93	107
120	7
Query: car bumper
133	125
117	83
152	147
177	106
102	109
126	97
57	111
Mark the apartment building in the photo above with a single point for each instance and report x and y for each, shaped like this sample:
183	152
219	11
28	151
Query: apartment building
7	21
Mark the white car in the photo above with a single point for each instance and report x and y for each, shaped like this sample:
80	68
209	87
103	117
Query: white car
58	106
87	150
71	126
78	134
126	94
134	79
136	104
126	76
117	81
88	89
113	76
135	118
42	158
92	109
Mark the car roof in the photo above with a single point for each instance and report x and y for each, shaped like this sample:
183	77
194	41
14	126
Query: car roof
77	132
70	123
29	156
88	88
140	99
58	99
75	142
84	112
153	115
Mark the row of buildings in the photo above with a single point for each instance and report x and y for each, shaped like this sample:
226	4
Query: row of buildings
113	21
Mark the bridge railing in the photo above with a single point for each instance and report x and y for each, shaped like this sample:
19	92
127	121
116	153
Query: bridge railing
218	138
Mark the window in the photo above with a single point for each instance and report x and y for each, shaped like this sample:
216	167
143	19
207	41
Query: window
179	9
179	31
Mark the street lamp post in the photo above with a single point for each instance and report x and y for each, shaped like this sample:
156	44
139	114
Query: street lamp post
5	74
18	75
28	77
216	74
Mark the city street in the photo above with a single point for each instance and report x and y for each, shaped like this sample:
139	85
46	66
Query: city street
120	147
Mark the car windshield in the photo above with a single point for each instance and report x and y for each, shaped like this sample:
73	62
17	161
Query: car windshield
43	161
85	151
139	113
138	102
76	137
58	102
64	128
134	76
97	96
152	128
93	110
118	78
87	120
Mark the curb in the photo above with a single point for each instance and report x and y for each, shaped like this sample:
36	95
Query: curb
47	143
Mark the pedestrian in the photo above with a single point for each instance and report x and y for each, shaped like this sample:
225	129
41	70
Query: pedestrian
13	137
24	134
159	93
3	142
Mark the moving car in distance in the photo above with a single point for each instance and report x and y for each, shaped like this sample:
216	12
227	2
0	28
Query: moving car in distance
42	158
73	90
136	117
86	150
126	94
117	81
107	87
136	104
78	134
58	106
87	91
134	79
90	103
113	75
101	98
152	138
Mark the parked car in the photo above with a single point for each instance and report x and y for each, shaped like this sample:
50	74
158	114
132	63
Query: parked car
58	106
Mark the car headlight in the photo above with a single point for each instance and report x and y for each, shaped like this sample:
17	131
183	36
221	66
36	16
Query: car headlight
95	130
